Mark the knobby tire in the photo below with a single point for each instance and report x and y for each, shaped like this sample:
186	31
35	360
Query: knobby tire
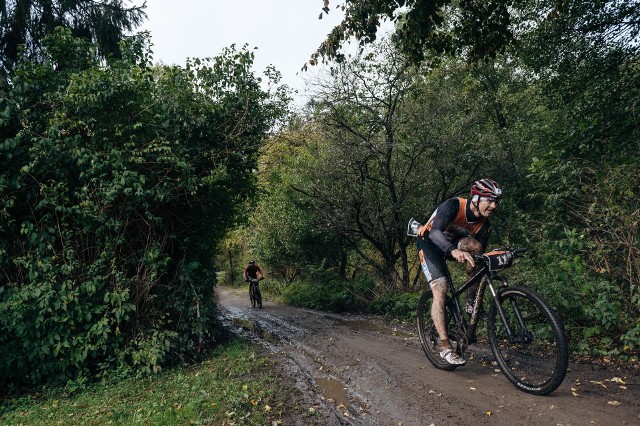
252	295
536	364
259	297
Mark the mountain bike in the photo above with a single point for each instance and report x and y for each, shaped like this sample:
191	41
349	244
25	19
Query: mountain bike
526	336
254	292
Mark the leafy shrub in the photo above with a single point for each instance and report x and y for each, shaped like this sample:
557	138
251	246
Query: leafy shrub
329	293
117	182
397	305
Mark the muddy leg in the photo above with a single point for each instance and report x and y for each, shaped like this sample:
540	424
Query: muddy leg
439	289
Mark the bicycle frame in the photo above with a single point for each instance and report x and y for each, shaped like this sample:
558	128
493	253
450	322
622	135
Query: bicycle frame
469	328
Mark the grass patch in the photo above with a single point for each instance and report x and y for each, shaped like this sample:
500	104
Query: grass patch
235	386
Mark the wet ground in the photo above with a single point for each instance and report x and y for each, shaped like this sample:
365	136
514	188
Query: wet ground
362	371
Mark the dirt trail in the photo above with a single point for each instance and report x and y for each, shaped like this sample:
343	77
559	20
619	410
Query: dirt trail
362	372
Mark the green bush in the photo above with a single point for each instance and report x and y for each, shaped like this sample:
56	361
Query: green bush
328	293
117	182
591	306
397	305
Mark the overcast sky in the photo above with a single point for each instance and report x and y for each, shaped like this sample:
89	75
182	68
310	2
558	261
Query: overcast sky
286	32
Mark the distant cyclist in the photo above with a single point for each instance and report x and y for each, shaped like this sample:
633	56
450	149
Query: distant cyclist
253	271
458	229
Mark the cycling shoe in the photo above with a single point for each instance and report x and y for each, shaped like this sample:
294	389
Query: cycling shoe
452	357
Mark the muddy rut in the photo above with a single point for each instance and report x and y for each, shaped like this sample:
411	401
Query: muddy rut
355	370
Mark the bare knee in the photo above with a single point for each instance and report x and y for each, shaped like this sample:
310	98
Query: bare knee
439	285
470	245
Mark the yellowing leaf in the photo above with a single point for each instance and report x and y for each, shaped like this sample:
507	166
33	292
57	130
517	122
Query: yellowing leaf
489	413
267	408
618	380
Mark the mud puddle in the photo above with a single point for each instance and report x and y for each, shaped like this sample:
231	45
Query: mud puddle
254	328
335	392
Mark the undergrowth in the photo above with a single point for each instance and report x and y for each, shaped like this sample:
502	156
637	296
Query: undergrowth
236	385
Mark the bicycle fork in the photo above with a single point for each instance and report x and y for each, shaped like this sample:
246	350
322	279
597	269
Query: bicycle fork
523	336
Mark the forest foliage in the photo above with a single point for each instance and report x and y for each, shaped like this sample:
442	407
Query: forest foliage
552	114
118	180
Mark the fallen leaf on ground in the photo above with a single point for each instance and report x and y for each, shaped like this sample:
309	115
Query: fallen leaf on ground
613	402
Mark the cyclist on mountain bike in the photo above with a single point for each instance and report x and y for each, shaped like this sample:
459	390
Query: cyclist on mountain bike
252	270
459	228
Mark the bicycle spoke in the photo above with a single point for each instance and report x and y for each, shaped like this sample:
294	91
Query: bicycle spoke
534	355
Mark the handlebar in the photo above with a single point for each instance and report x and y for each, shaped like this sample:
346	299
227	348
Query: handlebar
515	252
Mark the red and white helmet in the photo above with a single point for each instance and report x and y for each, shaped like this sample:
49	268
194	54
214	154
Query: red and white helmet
486	188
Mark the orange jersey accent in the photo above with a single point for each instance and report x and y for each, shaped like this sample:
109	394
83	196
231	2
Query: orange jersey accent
460	220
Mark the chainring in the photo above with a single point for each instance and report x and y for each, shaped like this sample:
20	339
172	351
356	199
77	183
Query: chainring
459	341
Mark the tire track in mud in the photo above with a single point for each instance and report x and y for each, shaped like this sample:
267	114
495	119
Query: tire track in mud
357	371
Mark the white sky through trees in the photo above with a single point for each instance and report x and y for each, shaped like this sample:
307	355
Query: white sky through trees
286	32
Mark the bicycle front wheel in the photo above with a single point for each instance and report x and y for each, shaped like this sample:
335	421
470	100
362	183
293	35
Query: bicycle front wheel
252	296
429	338
529	343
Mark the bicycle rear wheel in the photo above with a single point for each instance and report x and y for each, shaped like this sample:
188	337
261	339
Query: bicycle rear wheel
535	356
429	338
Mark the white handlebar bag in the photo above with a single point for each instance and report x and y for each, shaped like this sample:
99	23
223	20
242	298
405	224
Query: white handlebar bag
412	228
